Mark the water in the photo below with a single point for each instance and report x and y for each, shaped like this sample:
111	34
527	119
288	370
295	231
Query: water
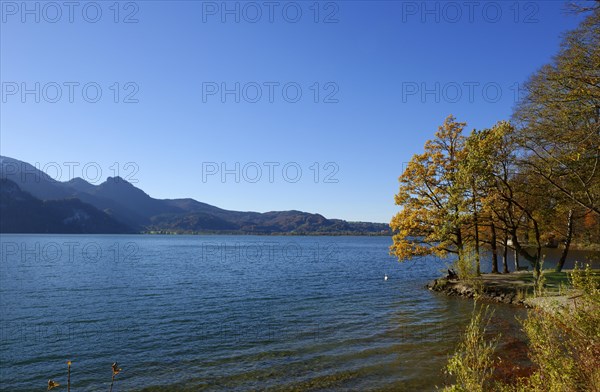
222	313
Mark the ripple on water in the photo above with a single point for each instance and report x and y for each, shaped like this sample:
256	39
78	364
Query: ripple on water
180	319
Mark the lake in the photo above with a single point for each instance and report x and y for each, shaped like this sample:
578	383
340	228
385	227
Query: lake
223	313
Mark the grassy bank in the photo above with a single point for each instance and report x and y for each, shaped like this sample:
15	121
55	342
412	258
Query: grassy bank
518	288
562	329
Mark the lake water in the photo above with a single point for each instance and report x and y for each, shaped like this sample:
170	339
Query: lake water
222	313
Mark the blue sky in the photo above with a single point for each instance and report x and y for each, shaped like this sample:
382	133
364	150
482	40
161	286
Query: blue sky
375	83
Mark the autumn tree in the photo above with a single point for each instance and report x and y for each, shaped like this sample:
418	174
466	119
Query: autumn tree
429	222
478	173
501	197
471	176
559	130
516	185
559	118
494	151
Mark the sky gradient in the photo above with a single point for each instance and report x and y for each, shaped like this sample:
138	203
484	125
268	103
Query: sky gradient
376	80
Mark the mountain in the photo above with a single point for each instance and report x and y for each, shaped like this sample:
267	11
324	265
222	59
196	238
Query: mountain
132	207
22	213
122	200
32	180
81	185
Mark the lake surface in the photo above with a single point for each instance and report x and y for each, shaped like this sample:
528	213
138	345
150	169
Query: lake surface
223	313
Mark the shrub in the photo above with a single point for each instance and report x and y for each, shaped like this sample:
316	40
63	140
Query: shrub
564	346
473	362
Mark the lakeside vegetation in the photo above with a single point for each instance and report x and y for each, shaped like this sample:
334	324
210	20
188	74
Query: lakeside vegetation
563	346
518	187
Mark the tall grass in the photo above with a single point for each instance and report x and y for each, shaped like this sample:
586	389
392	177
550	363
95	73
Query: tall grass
564	346
53	384
473	362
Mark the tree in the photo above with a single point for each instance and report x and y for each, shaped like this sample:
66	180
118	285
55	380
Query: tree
559	117
430	197
477	171
516	185
503	195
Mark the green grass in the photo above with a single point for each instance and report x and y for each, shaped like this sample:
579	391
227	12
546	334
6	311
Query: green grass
554	283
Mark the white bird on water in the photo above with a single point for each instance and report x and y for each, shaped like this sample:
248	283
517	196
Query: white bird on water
385	277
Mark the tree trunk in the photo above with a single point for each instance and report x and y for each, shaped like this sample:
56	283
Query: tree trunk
538	248
505	253
459	244
494	250
476	224
563	256
515	245
520	251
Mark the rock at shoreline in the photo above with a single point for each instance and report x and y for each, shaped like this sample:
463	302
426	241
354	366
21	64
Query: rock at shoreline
515	288
455	287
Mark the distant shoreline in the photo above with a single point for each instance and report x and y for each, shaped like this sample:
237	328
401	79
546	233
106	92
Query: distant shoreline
278	234
223	234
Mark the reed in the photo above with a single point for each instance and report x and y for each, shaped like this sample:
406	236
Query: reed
115	370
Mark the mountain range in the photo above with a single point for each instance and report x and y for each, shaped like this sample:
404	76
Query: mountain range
33	202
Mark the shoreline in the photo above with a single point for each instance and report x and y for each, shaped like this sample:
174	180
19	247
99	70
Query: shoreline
516	288
460	288
274	234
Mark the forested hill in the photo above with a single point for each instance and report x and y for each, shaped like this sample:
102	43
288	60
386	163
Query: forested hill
20	212
131	209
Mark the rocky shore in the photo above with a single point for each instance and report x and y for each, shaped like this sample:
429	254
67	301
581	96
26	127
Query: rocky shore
515	288
493	293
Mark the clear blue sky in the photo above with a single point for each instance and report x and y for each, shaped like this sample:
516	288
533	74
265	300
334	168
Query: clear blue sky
376	57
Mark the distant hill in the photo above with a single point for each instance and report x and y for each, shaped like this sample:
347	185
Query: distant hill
32	180
22	213
132	207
